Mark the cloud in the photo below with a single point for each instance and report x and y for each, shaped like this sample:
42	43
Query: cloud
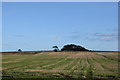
109	38
106	36
96	36
111	35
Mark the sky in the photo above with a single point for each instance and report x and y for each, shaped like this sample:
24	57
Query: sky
40	25
60	0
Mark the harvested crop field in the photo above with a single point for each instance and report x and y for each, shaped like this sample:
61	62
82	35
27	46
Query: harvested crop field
61	65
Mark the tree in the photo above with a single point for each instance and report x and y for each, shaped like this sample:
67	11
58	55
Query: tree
19	50
73	47
55	48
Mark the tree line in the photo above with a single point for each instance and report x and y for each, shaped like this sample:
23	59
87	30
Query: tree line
70	47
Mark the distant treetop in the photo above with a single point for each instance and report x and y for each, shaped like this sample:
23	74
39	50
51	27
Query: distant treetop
56	49
73	47
55	46
19	50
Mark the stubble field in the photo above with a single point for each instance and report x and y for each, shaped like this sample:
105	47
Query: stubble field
61	65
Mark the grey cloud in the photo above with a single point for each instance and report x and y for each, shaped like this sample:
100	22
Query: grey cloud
106	36
109	36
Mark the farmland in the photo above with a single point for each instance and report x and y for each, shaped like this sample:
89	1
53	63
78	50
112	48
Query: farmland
57	65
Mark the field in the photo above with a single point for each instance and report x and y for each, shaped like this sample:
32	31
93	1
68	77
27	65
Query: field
61	65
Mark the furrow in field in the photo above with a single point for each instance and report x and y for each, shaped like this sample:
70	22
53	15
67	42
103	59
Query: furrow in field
111	64
47	71
65	61
111	55
78	66
106	57
62	65
72	64
39	61
17	59
53	63
38	65
96	64
13	57
82	66
88	72
73	70
100	65
10	62
65	65
25	61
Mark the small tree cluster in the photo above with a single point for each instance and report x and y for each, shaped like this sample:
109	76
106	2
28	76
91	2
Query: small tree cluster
73	47
55	48
19	50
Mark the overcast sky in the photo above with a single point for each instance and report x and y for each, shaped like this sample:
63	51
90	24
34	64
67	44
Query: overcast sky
40	25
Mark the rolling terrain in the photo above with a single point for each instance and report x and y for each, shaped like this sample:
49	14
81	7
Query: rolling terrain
65	65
